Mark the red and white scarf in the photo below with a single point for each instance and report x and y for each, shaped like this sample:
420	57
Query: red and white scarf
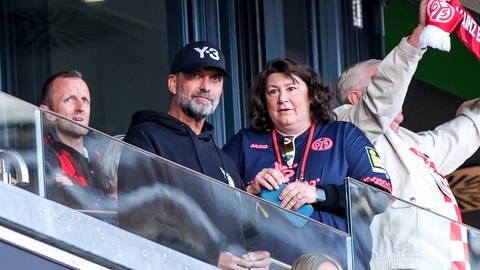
444	16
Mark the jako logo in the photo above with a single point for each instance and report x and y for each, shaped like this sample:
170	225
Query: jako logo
213	53
259	146
322	144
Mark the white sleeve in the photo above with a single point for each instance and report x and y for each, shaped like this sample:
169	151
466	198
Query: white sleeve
453	142
386	93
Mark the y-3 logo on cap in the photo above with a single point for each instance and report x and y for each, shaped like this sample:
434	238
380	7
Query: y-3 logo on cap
213	53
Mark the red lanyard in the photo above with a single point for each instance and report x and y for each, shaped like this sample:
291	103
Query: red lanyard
305	153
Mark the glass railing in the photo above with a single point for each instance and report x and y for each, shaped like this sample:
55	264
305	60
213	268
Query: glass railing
202	217
397	234
36	233
181	219
178	209
20	144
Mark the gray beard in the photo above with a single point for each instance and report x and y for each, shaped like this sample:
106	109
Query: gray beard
195	110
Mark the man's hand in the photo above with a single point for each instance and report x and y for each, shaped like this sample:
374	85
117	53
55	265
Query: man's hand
414	38
259	259
253	260
13	181
63	180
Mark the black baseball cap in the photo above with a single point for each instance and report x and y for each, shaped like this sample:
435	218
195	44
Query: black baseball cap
197	55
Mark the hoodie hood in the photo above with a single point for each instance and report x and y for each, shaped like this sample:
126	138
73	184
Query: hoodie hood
170	122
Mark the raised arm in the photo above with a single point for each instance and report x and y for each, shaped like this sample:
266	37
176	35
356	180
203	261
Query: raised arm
384	96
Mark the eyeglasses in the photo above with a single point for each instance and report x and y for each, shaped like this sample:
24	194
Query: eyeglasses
288	149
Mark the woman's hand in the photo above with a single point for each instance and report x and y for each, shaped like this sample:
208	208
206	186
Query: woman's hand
296	194
268	178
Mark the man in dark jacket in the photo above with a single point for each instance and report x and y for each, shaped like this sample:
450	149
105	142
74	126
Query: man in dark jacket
154	199
71	154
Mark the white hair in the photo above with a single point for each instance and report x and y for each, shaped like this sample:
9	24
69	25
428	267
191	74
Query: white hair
356	76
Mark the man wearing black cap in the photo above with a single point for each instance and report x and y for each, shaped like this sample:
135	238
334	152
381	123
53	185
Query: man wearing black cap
182	136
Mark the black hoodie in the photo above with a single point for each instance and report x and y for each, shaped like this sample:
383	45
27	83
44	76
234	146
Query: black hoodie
179	209
166	136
